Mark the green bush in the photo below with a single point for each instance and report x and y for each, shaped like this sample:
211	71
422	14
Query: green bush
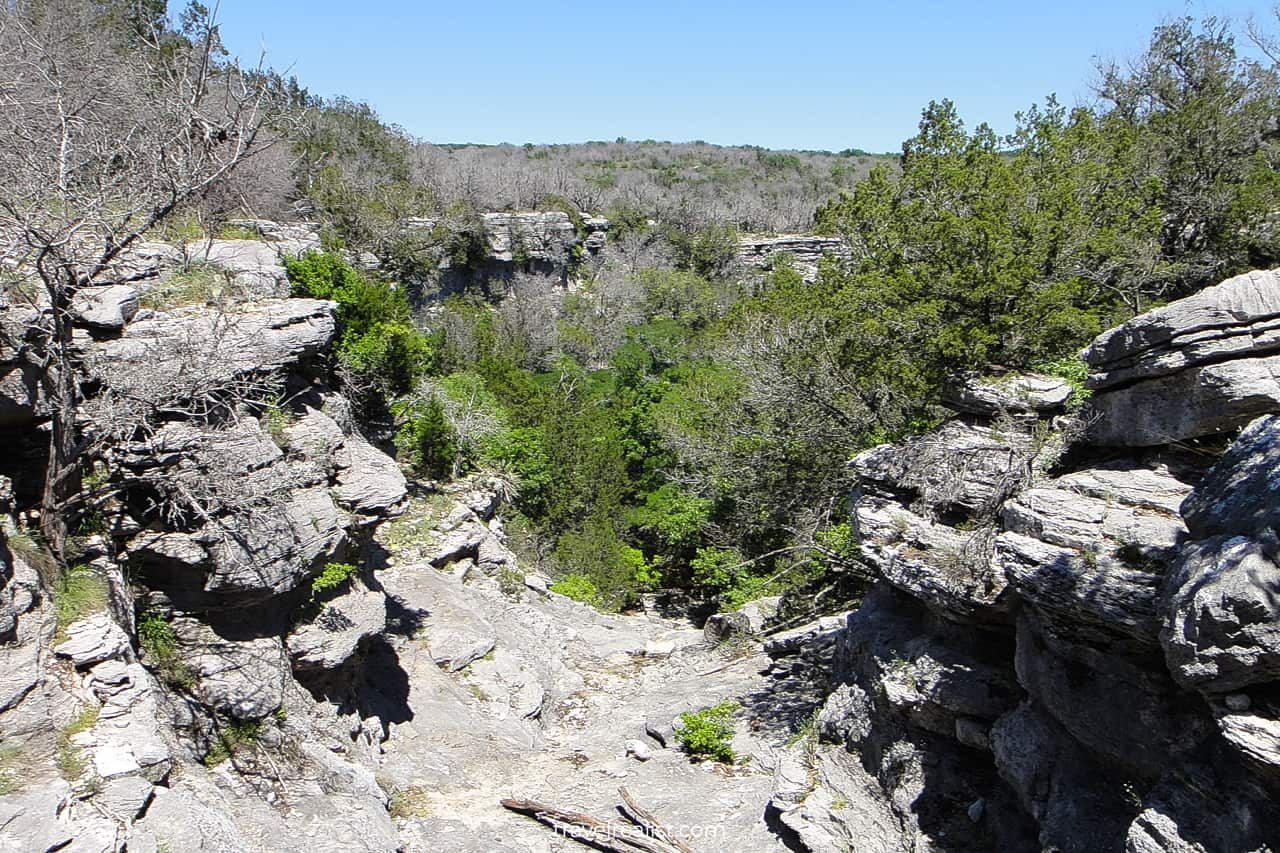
376	336
331	577
425	438
579	587
707	733
231	738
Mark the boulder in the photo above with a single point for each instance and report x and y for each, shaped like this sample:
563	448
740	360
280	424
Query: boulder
1240	495
329	639
105	308
1015	394
1201	365
370	482
1221	627
1255	737
1078	805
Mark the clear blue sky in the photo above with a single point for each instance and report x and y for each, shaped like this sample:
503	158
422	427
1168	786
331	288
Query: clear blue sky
824	75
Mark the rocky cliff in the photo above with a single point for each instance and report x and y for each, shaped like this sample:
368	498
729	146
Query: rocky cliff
1070	648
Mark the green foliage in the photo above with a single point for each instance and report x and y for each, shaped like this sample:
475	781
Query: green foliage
707	733
68	758
1073	369
232	737
26	547
331	577
12	769
195	284
160	646
709	251
79	592
425	438
595	553
579	587
377	340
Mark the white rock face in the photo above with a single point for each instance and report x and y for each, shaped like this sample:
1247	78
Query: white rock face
1198	366
108	308
97	638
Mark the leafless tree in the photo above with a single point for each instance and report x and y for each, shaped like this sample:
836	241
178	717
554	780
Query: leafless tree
102	138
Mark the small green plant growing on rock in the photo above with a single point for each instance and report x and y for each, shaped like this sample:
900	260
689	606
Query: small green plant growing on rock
11	764
232	737
160	644
79	592
707	733
411	802
68	759
333	576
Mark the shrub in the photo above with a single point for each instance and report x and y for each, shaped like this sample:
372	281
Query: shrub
376	336
707	733
331	577
579	587
197	284
425	437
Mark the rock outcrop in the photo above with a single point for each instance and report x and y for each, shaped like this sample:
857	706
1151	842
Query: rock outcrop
1202	365
805	251
1071	652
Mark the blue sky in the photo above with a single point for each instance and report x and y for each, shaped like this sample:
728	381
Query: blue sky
823	75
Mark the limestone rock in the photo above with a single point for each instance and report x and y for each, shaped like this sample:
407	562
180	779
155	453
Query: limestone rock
242	679
1239	494
1201	365
369	481
1130	714
29	820
538	237
639	750
126	797
1238	318
1255	737
333	635
806	252
1202	400
94	639
1221	627
720	627
1084	596
205	348
1017	394
106	308
958	467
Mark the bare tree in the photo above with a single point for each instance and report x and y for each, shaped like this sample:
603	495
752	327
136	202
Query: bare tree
102	138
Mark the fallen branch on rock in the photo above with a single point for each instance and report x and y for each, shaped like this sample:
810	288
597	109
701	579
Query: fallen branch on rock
650	837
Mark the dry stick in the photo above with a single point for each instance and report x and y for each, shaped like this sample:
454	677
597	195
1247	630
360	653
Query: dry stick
649	823
588	829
